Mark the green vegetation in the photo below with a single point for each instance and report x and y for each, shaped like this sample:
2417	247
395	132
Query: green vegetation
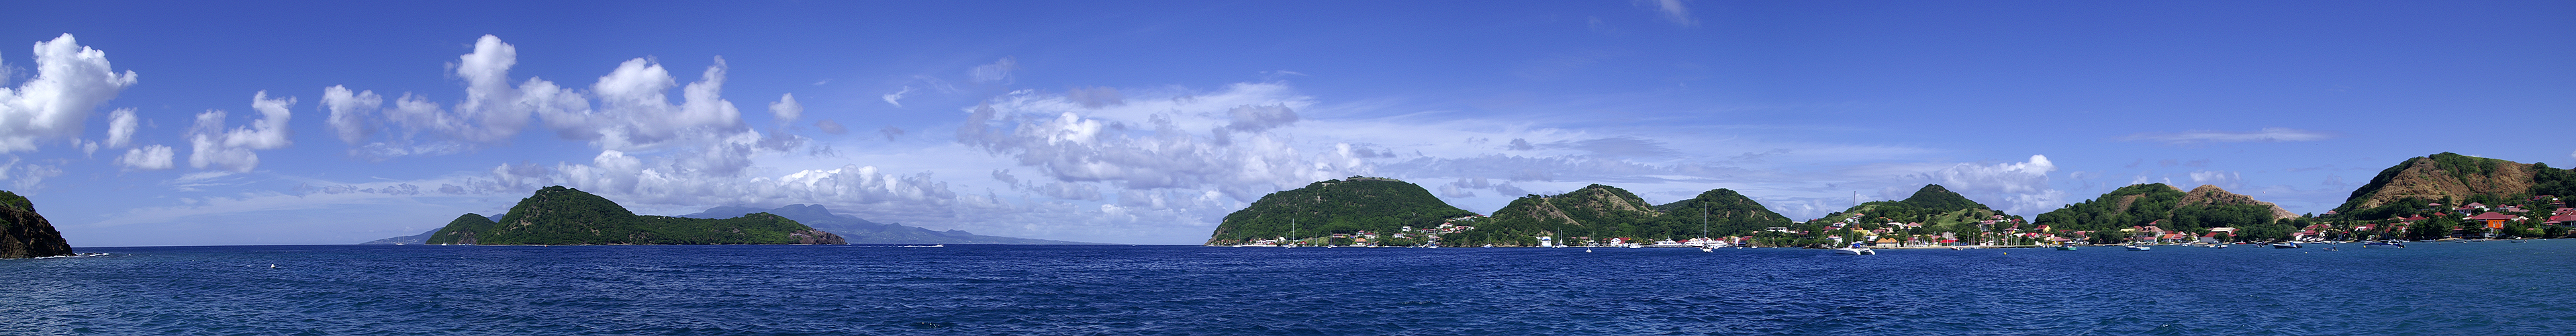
1923	216
1597	213
13	201
564	216
1322	209
2552	181
2163	206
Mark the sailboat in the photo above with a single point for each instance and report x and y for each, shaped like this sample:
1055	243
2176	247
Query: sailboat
1704	242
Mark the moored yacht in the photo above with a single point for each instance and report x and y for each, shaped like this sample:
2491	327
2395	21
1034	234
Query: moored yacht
1856	249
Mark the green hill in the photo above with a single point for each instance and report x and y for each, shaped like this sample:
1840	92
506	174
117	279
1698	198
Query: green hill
564	216
2172	209
1930	212
1329	207
1593	213
2453	179
1725	213
1597	213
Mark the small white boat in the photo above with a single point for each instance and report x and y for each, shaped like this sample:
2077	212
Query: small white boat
2136	248
1856	249
1707	249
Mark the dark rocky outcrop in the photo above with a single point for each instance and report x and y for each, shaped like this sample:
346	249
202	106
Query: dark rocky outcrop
25	234
816	237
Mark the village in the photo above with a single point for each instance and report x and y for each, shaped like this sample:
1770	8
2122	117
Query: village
2545	216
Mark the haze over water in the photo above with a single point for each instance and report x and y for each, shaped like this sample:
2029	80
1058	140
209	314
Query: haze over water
2488	288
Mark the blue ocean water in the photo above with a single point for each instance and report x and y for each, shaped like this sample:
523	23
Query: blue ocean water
2486	288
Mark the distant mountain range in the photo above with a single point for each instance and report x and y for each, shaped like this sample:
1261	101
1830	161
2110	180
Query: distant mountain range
850	228
862	231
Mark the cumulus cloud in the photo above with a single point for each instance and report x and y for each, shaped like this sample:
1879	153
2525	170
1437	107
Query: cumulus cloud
636	113
71	81
2023	185
493	111
353	114
2269	134
786	109
153	157
233	149
1148	143
120	127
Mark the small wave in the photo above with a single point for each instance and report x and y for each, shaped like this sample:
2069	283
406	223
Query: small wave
74	255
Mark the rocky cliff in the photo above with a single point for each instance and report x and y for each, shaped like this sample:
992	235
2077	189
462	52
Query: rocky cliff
25	234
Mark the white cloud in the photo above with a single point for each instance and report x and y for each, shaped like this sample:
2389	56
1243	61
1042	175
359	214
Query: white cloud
71	80
635	111
2222	179
120	128
2023	185
1151	143
24	176
896	98
1673	11
998	72
153	157
2268	134
493	111
786	109
353	114
232	150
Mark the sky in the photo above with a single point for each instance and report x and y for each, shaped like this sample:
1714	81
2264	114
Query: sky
188	123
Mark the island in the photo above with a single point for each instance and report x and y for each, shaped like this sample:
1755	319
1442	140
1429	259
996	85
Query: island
558	215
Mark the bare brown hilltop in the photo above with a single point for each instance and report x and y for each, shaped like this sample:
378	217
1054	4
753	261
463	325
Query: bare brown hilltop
2212	195
2443	178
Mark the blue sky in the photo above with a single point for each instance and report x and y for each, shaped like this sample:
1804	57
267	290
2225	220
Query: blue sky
150	123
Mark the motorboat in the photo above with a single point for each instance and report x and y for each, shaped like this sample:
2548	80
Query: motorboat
2286	245
2136	248
1856	249
2384	243
2066	247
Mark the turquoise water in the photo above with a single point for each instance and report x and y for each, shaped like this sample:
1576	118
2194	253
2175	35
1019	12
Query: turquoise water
2487	288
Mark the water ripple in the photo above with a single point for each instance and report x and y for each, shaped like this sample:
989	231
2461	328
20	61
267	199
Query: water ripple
2435	289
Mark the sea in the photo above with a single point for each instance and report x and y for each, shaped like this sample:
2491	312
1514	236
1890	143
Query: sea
2481	288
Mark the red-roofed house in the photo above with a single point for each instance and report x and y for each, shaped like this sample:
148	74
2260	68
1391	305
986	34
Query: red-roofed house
2494	220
